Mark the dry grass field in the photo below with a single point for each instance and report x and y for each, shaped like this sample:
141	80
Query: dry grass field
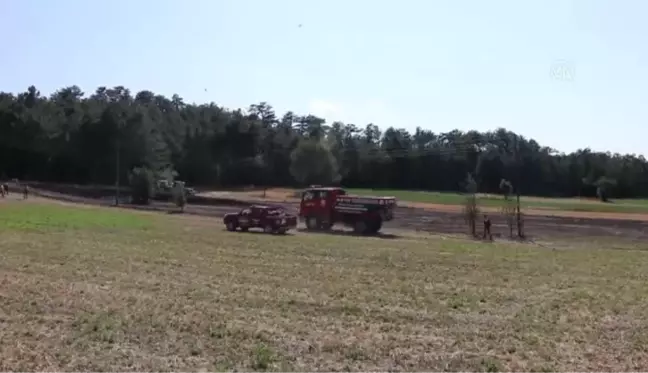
96	289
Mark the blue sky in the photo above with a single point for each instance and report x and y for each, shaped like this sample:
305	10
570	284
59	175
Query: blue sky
570	74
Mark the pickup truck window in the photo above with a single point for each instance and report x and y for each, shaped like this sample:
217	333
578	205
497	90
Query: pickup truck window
308	196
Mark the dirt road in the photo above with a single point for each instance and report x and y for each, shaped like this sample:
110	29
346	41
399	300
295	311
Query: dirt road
287	196
443	221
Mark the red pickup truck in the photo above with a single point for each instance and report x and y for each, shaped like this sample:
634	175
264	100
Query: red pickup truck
270	219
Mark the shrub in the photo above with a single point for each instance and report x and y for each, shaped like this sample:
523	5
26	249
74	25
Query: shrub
179	195
142	183
471	210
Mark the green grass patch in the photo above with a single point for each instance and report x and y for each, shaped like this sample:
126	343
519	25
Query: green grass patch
45	216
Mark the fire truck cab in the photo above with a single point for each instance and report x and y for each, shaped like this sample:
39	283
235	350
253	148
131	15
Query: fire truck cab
322	207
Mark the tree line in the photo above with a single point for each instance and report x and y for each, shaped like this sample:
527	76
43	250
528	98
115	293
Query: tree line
72	137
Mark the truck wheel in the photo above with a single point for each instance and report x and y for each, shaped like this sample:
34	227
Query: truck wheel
325	226
244	229
312	223
268	229
379	224
360	227
281	230
230	226
375	226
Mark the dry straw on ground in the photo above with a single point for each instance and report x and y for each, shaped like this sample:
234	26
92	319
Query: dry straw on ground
96	289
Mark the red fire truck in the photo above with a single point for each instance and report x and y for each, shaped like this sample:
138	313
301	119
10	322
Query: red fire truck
322	207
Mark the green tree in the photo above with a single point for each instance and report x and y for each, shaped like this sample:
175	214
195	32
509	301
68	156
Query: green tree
313	163
603	187
99	137
142	183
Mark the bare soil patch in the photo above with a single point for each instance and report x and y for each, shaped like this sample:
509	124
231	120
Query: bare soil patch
537	212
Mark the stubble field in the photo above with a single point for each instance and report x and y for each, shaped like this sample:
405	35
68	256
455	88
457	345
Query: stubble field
96	288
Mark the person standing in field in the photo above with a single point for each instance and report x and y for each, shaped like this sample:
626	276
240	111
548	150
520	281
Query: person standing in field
487	227
25	191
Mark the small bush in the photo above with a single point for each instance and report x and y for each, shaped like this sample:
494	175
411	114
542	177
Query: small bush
509	209
142	183
262	358
180	195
